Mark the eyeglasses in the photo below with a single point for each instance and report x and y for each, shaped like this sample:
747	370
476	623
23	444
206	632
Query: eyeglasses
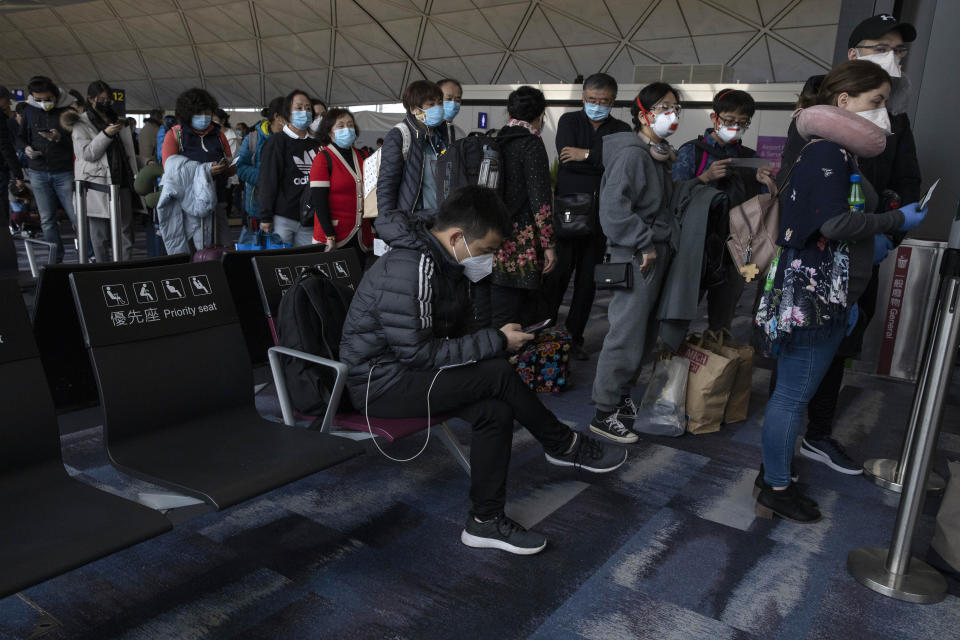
900	50
733	122
602	102
664	108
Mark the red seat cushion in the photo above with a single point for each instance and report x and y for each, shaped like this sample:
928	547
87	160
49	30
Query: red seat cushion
389	428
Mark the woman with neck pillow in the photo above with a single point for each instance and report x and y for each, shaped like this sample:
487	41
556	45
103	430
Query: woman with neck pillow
824	263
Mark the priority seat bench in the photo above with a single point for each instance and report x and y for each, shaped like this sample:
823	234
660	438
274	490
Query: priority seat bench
176	386
49	522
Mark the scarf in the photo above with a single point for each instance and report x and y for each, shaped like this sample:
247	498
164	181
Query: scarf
526	125
116	159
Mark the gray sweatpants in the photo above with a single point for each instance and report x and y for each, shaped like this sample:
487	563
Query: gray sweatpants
633	324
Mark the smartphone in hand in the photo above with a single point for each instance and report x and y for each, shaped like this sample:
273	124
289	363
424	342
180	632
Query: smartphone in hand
540	326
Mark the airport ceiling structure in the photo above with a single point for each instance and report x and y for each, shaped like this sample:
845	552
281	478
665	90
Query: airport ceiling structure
365	51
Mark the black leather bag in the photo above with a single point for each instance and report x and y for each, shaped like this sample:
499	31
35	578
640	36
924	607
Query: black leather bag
575	215
613	275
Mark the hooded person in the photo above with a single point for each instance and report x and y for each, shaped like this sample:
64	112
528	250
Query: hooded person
50	151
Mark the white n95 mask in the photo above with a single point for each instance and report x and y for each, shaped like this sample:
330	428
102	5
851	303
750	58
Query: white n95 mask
665	124
476	268
879	117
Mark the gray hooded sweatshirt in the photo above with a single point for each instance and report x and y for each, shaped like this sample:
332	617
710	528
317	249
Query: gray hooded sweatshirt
635	194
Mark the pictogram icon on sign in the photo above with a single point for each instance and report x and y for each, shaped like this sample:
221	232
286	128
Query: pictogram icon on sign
325	270
343	271
200	285
284	276
173	289
144	292
115	295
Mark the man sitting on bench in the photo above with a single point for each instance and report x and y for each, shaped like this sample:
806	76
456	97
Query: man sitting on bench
410	338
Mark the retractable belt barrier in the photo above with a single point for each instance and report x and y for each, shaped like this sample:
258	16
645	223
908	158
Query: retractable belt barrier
80	205
894	572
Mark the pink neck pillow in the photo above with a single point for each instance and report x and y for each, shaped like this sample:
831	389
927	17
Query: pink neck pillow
852	132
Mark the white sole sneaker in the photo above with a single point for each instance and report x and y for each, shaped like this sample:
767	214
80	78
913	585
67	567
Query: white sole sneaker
567	463
630	439
492	543
812	453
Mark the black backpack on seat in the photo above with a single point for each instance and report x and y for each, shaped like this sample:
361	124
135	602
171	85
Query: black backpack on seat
310	318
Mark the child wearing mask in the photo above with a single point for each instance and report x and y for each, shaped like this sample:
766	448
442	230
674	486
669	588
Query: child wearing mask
708	158
635	215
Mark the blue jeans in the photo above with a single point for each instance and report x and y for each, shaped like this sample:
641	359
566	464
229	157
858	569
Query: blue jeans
801	365
47	189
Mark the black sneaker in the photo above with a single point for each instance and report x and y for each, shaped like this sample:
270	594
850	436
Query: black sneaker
590	454
829	452
612	429
502	533
759	484
627	412
788	504
578	352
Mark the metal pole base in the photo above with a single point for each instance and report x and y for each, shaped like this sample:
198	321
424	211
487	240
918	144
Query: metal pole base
921	585
883	472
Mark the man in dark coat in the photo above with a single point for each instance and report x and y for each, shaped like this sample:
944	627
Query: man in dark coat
895	174
412	345
580	149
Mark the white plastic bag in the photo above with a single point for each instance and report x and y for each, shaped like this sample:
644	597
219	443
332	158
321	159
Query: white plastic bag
664	406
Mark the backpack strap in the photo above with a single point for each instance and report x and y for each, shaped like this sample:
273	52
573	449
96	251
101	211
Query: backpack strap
178	132
326	155
405	132
786	178
703	164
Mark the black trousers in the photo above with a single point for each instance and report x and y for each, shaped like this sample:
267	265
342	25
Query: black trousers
490	396
496	306
576	258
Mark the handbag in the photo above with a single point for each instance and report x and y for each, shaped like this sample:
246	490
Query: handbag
613	275
754	228
663	408
260	240
575	215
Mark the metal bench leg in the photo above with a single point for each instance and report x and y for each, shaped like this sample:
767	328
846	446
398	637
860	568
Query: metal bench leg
453	445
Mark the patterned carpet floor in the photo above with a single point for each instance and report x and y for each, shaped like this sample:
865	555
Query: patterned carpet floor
666	547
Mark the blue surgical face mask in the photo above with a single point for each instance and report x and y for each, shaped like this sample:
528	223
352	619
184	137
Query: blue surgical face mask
596	112
344	138
434	115
199	123
300	119
450	109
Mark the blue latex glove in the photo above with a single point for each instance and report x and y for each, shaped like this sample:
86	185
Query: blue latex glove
853	318
912	217
882	245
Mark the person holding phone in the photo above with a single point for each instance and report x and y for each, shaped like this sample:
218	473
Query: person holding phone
50	150
411	340
103	147
197	137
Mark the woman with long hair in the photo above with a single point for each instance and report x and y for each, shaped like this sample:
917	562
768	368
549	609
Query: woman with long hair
824	263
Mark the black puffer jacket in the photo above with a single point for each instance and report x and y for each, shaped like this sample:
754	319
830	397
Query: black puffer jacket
411	312
400	181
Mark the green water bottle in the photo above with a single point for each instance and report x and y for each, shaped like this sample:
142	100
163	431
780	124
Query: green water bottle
856	199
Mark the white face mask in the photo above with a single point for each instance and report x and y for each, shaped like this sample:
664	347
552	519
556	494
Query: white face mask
729	134
665	124
878	117
886	61
476	268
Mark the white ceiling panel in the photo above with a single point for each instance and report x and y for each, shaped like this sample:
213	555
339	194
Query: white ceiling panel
379	46
107	35
170	62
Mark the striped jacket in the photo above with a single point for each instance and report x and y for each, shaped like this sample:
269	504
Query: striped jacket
411	312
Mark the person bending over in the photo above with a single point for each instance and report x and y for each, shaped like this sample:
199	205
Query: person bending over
411	340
